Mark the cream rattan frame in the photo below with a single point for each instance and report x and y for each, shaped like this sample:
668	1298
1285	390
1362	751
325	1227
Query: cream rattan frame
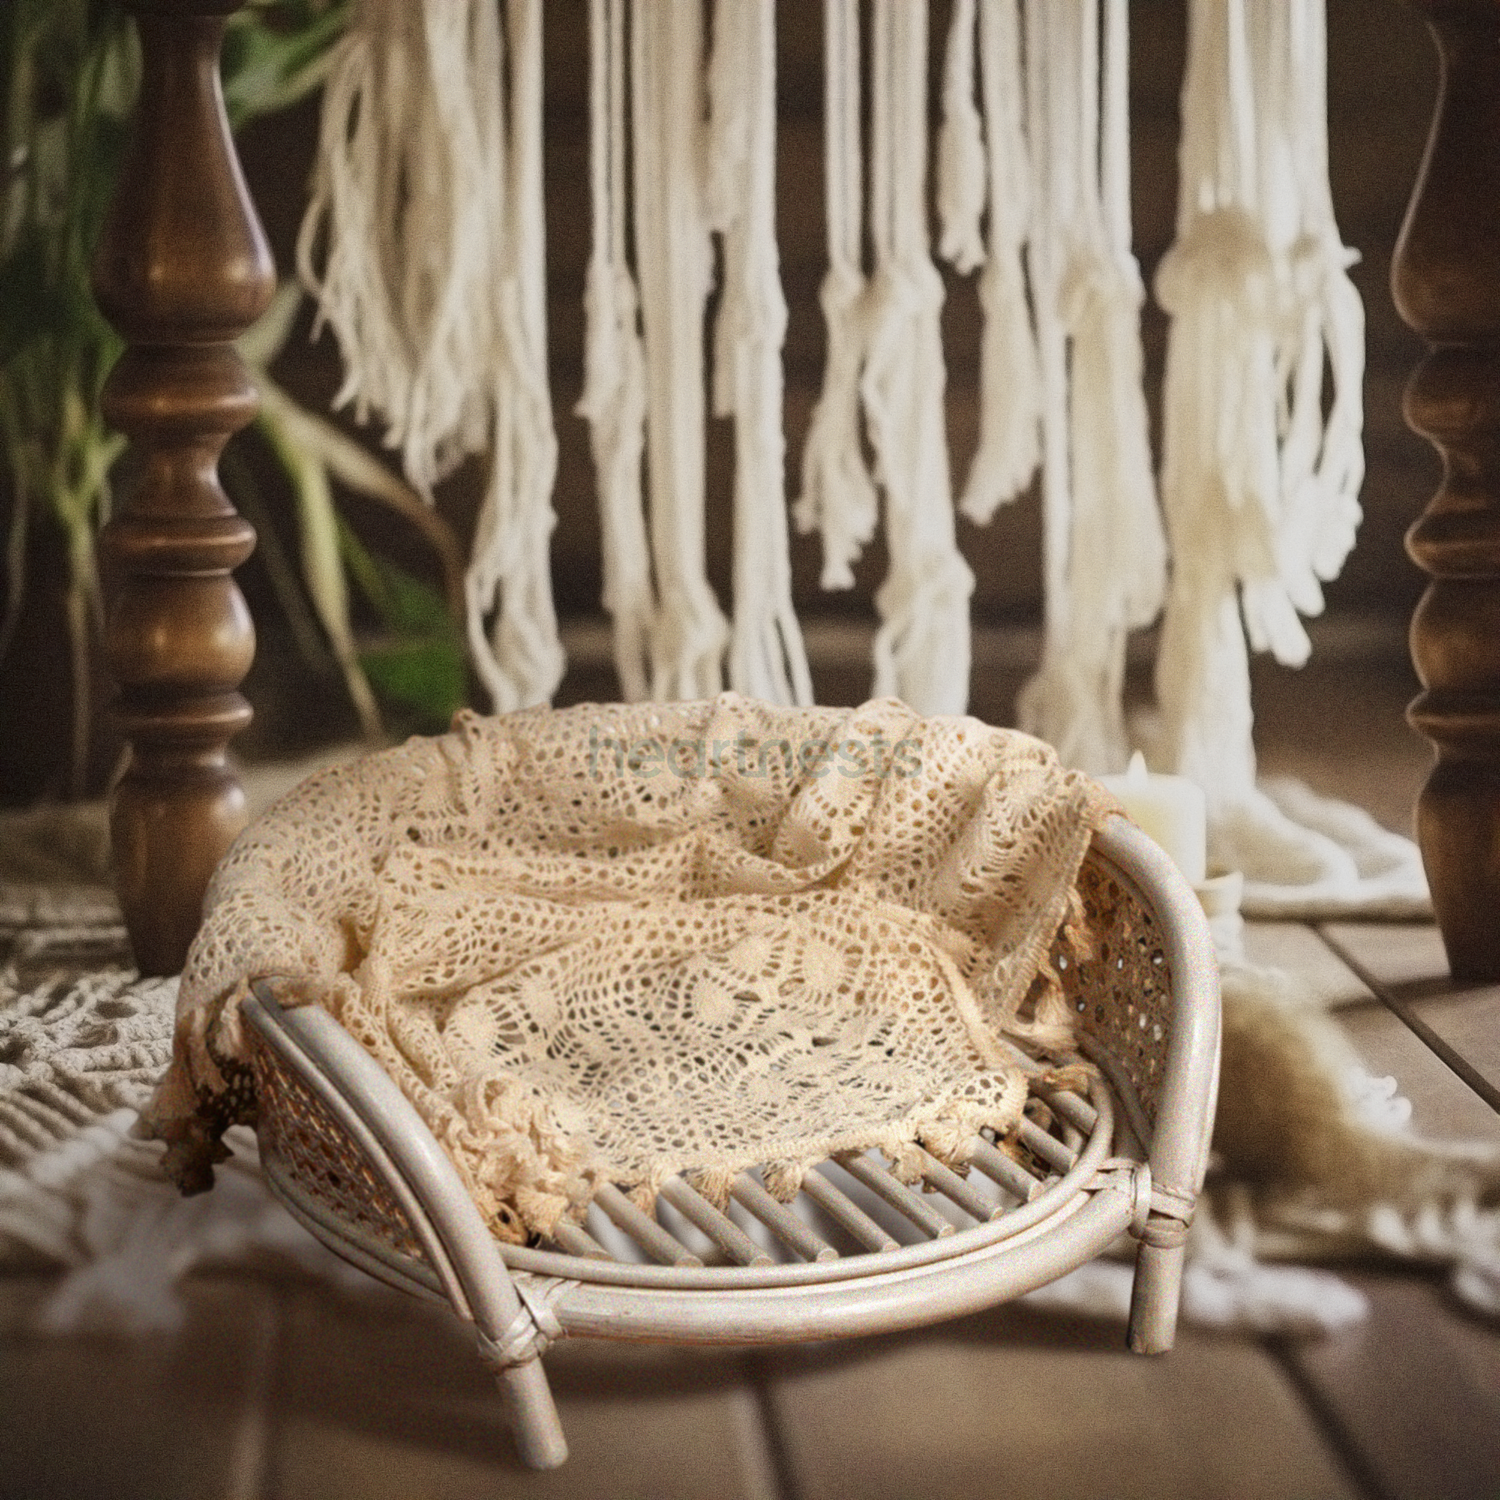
354	1162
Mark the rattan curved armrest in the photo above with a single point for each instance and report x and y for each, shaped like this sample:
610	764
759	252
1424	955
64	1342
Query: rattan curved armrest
1182	1130
1185	1108
399	1146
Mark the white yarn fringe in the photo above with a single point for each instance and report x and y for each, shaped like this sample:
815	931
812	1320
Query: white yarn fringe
961	162
838	499
1258	484
1222	1288
398	203
614	392
673	261
427	223
981	164
519	656
1009	378
1104	552
767	659
922	645
1308	856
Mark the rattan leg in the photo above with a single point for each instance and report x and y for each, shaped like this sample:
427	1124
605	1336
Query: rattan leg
1154	1297
532	1414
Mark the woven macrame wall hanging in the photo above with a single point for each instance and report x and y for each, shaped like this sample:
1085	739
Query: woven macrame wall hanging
424	245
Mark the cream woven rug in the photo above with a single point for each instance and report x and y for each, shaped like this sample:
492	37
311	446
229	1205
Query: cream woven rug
1314	1160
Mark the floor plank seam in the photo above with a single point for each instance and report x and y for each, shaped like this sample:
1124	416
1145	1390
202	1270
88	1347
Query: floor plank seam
777	1451
1424	1033
1357	1466
250	1462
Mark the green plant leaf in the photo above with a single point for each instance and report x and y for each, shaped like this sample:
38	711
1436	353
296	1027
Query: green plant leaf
276	54
322	570
31	308
416	608
429	677
419	663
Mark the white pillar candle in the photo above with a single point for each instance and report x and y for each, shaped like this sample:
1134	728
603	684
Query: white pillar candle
1171	809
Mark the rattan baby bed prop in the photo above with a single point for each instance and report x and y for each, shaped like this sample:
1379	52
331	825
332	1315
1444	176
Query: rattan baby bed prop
707	1022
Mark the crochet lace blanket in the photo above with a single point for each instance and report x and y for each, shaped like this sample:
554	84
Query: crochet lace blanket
617	943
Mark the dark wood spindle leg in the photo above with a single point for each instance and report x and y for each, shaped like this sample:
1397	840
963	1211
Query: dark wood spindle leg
182	269
1446	280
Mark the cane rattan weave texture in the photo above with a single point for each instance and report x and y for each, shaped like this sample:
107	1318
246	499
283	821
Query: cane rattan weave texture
300	1134
1122	990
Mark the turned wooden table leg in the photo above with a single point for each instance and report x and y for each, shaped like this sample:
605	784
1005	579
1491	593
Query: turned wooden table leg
1446	280
182	269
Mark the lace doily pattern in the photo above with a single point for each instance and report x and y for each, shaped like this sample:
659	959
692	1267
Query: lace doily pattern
614	943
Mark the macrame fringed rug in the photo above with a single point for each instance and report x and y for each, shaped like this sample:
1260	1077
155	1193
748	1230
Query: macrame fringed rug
1315	1161
79	1057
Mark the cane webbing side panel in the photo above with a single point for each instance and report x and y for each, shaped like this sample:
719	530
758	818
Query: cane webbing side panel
1122	987
297	1129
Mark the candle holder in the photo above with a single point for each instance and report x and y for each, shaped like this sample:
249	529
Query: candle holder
1171	809
1220	896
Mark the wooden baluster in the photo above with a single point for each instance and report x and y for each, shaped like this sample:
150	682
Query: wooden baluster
181	270
1446	281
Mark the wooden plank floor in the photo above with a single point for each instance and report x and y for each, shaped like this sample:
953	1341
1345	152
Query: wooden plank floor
277	1388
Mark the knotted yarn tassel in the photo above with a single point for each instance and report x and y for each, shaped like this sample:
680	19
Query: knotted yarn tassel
1260	469
961	162
1220	482
766	655
1221	463
922	645
614	390
673	258
1117	552
1321	321
1051	700
341	258
838	499
1267	254
1137	531
395	244
1106	557
519	656
1009	376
